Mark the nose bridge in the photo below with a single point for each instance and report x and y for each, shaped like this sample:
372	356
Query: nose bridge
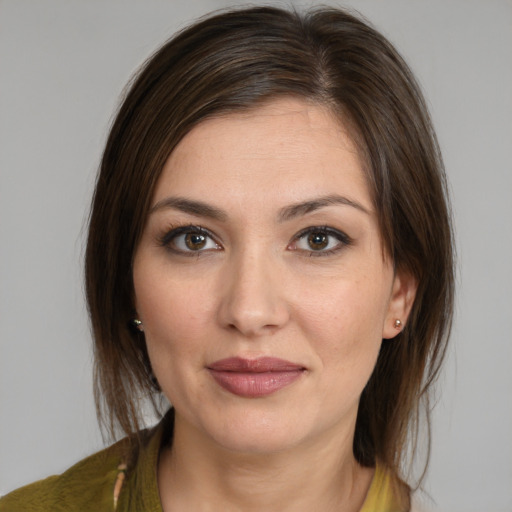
253	301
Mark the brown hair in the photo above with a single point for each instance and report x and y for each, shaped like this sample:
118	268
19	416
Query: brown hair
236	60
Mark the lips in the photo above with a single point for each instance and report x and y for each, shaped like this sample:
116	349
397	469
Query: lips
253	378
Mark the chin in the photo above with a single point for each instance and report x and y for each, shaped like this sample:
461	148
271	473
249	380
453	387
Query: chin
253	431
249	441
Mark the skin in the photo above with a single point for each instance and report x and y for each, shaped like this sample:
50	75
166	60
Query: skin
256	288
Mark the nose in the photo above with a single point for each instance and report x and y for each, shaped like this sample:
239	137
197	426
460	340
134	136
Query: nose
253	296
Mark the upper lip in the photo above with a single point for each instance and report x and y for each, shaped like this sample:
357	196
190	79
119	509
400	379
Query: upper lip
259	365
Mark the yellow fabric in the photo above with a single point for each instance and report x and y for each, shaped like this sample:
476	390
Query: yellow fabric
89	485
380	497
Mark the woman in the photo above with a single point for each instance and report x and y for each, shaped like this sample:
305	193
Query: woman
270	250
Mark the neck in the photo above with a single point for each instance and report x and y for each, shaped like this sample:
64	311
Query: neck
197	474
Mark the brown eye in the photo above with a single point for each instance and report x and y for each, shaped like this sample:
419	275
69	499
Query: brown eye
189	239
318	241
195	241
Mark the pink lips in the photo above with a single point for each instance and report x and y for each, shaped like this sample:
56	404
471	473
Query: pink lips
254	378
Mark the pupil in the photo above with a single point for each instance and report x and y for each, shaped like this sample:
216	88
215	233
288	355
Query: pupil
317	241
195	241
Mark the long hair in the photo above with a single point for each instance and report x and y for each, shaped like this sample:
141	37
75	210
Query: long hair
234	61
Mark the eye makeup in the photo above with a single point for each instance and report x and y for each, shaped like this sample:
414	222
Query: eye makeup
320	241
188	240
314	241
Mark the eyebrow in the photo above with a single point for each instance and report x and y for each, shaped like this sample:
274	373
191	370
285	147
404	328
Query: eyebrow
197	208
299	209
201	209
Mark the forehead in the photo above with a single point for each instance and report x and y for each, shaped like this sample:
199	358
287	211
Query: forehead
288	146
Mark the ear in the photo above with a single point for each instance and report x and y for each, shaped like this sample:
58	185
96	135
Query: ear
402	298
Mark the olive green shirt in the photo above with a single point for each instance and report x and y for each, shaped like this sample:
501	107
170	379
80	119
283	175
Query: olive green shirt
89	485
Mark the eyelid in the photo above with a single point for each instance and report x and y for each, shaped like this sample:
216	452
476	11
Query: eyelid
173	232
343	239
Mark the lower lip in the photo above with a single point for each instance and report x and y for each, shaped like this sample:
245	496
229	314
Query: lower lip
255	384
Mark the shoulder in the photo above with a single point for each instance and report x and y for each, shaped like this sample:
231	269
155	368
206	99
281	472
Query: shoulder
387	493
88	485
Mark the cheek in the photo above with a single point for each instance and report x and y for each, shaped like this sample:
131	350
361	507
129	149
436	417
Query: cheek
169	304
351	310
174	318
344	323
168	313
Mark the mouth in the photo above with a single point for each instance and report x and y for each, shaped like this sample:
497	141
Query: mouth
254	378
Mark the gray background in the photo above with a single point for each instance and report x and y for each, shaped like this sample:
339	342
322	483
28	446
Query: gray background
62	66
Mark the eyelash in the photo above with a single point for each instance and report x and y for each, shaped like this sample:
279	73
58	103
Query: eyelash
170	236
342	238
173	233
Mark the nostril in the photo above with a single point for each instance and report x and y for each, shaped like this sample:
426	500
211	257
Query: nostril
251	302
254	329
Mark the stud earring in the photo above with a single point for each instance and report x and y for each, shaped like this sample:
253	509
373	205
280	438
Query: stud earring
398	324
138	324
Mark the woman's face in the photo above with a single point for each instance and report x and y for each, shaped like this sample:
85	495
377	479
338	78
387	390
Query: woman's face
262	282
